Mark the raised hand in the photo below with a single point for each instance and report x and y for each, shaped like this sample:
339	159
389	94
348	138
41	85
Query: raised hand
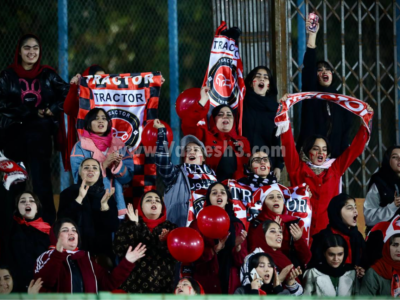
277	173
134	255
294	273
396	199
276	282
309	191
204	95
285	271
296	231
75	79
132	215
59	246
83	189
278	220
241	238
111	158
35	286
221	244
106	197
369	108
164	235
284	98
157	124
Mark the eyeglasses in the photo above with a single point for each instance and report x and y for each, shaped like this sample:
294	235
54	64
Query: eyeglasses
258	160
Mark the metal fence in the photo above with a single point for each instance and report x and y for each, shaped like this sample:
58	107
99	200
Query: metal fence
122	36
357	37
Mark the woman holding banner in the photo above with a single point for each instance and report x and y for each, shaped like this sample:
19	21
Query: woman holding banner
313	165
97	142
229	152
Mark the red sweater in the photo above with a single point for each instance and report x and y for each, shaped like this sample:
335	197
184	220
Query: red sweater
215	145
53	267
324	186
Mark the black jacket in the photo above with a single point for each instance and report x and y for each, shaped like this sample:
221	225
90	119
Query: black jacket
96	226
259	125
53	91
27	244
322	117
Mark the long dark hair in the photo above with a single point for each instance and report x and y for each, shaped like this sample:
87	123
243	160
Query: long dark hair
267	223
34	196
310	141
193	282
328	66
91	116
229	205
335	240
385	171
272	84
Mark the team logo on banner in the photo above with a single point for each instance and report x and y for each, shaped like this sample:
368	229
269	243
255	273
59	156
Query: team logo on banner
223	87
128	126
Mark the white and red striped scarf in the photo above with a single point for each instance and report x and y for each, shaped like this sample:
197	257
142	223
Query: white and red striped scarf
200	178
353	105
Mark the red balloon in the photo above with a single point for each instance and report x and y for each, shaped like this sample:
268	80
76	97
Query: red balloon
185	244
185	103
213	222
149	135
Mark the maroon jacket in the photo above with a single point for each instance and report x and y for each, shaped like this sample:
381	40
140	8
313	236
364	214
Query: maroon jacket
53	267
216	142
207	267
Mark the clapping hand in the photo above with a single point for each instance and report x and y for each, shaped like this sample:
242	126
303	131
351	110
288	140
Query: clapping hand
133	255
133	215
106	197
164	234
35	286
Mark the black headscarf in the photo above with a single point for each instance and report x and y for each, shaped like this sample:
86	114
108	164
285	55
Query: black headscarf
259	114
386	180
357	242
333	240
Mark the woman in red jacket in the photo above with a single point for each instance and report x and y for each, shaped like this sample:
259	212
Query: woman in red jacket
273	208
321	174
228	151
66	269
217	270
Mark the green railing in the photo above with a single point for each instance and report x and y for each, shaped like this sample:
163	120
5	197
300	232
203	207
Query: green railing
110	296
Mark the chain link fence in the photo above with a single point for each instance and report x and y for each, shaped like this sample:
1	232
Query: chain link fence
121	36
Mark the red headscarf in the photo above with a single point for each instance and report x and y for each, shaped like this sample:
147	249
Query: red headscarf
151	224
37	67
223	135
39	224
386	265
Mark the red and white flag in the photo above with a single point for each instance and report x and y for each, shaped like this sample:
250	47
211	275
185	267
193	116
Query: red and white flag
224	74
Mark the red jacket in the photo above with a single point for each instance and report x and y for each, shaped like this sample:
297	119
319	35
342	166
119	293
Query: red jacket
324	186
53	267
207	267
217	142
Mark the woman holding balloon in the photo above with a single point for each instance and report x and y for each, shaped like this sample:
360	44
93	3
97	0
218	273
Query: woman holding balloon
147	225
225	245
98	143
228	151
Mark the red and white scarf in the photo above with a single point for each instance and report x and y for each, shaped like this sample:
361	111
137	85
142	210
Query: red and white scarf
353	105
200	178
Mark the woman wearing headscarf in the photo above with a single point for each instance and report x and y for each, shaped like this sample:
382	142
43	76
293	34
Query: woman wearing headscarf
322	117
92	208
217	270
228	151
343	214
330	276
259	110
67	269
382	279
273	207
148	225
29	239
31	102
383	198
97	142
71	108
321	173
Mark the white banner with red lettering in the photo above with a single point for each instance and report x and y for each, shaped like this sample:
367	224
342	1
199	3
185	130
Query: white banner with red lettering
299	205
352	104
